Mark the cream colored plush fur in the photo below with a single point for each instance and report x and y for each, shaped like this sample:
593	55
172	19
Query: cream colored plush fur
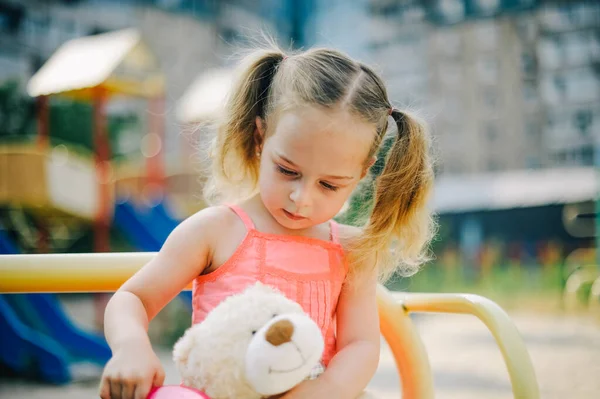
252	345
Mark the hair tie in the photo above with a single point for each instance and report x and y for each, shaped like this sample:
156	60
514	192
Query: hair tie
284	58
391	111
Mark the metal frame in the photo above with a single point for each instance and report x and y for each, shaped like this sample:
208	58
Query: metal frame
62	273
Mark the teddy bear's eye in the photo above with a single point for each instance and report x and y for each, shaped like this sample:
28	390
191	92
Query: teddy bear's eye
253	332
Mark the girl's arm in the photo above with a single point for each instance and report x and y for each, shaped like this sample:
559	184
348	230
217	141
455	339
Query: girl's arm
134	367
358	342
182	258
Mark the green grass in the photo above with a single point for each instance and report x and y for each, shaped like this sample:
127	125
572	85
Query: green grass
529	287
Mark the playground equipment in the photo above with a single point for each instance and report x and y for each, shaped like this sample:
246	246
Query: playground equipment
49	180
106	272
36	331
578	287
96	68
594	302
203	100
580	268
58	181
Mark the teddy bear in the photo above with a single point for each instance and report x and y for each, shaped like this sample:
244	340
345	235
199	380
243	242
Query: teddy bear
254	344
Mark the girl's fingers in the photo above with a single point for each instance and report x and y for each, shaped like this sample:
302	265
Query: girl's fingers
115	389
159	377
143	389
127	390
105	389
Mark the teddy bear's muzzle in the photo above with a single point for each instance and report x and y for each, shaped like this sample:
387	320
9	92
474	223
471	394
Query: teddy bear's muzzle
280	332
282	353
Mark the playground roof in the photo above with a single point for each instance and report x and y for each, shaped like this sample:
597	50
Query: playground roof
515	189
117	61
205	98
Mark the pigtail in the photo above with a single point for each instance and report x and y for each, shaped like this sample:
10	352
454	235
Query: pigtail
400	225
234	150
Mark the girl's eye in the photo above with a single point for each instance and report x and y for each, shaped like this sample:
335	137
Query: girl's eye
286	172
329	186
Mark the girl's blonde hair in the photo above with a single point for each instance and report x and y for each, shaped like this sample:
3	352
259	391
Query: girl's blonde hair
399	226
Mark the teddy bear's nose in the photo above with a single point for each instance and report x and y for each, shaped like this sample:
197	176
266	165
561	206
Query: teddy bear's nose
280	332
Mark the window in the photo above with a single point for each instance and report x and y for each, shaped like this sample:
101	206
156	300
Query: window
528	64
586	155
565	16
583	121
532	162
553	89
487	34
581	85
530	96
448	42
550	53
451	76
555	19
490	98
558	127
487	7
491	131
532	129
451	11
578	48
487	70
493	165
526	30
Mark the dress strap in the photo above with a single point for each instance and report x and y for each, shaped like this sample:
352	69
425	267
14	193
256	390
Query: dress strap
243	216
334	231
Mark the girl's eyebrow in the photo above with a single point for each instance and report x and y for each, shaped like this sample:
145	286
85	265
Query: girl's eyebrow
287	160
339	177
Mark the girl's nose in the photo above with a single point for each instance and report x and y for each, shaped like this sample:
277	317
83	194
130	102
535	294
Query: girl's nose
300	196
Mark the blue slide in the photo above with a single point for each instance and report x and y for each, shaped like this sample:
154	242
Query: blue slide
39	340
147	229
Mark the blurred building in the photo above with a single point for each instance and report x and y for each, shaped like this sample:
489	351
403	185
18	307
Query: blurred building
506	84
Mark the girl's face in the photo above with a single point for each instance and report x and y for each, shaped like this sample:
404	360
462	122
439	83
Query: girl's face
310	163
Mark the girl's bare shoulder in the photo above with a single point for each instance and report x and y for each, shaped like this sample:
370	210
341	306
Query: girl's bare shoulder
214	221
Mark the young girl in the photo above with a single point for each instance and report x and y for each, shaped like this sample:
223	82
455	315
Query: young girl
300	132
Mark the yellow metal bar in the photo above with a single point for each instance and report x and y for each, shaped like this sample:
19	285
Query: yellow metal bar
595	297
576	284
107	272
516	356
405	343
97	272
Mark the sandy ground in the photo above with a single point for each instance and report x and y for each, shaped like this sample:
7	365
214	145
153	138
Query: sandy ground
466	362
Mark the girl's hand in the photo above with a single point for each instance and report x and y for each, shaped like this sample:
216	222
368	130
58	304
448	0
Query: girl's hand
131	373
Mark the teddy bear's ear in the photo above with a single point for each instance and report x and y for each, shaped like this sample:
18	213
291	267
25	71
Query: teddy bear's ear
183	348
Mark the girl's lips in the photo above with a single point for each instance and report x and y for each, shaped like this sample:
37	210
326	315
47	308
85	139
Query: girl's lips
293	216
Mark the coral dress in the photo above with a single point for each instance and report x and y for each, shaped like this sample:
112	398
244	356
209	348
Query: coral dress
307	270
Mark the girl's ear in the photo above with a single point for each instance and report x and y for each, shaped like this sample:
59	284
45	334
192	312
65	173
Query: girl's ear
366	169
259	134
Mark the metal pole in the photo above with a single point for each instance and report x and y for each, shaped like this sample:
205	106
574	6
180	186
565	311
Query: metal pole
102	149
43	121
